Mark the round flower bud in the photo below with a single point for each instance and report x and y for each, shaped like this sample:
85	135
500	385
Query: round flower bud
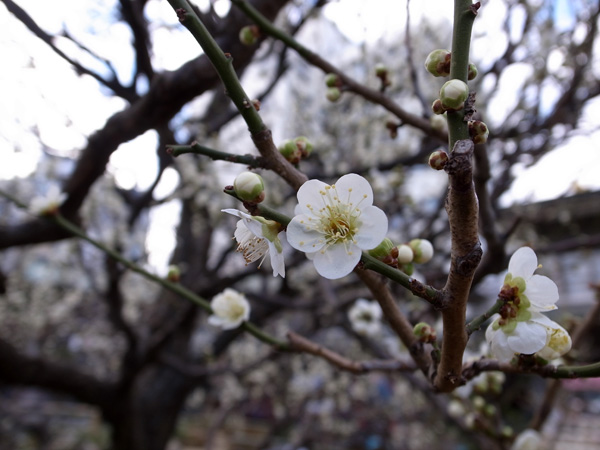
381	70
408	268
405	254
472	72
173	274
290	151
249	35
438	159
425	332
383	250
333	94
478	131
332	80
437	107
439	122
438	63
304	145
249	187
453	94
423	250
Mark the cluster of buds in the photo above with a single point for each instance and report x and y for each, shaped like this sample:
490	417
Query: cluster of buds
333	83
249	35
249	187
296	149
438	64
425	333
403	256
478	131
382	72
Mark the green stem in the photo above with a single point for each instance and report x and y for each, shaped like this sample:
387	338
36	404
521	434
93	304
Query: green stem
476	323
464	16
174	287
215	155
222	62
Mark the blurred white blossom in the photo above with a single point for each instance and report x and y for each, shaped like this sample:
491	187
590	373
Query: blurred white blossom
528	439
365	317
230	309
48	203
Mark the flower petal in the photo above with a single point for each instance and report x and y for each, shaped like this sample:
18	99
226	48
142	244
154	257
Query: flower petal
523	263
528	338
302	236
310	197
354	189
498	343
337	261
374	227
542	292
276	257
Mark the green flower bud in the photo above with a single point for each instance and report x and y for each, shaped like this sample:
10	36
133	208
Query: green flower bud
438	159
424	332
304	145
453	94
381	70
249	35
507	432
423	250
290	151
333	94
173	274
383	250
408	268
405	254
478	131
479	403
472	72
438	63
332	80
249	187
437	107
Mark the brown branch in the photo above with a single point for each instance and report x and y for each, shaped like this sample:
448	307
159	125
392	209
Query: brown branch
18	369
302	344
462	208
399	323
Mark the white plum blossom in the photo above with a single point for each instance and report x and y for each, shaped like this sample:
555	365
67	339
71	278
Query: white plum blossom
230	308
365	317
333	224
520	326
48	203
258	237
528	439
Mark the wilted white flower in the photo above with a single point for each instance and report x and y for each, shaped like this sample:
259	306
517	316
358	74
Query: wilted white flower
365	317
230	308
258	237
333	224
48	203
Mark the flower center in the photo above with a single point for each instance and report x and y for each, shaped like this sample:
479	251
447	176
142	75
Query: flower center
516	304
339	221
235	311
253	248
